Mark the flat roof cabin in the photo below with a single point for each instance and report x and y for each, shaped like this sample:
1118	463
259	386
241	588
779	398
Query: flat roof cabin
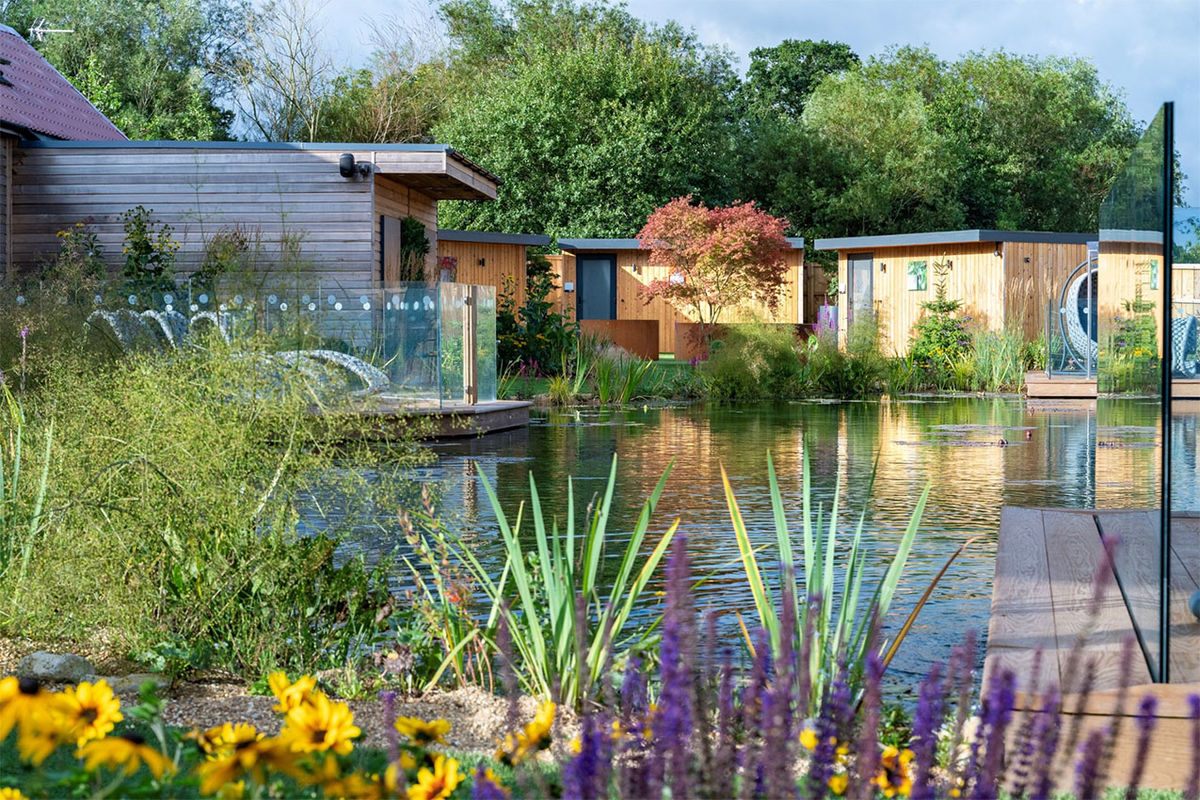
487	259
290	198
1001	277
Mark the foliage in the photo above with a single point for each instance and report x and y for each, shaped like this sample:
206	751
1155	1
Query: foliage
782	78
151	67
233	250
80	255
534	336
719	257
753	361
1129	362
860	370
183	475
593	117
414	247
940	340
149	250
840	626
566	620
999	360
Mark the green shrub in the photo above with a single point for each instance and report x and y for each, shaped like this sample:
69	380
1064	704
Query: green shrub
940	339
171	512
860	370
533	335
754	361
999	361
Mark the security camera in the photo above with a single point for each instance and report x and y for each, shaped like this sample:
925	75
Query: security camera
349	169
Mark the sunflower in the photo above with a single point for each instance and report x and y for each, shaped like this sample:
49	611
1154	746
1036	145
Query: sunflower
213	740
533	737
290	695
90	710
437	783
895	775
20	699
422	733
129	750
40	735
246	752
320	725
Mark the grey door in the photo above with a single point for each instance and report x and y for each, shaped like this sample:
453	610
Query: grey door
596	277
860	270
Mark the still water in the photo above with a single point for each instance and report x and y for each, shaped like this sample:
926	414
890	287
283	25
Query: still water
977	455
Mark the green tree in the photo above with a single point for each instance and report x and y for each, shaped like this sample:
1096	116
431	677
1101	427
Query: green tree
152	66
592	117
781	78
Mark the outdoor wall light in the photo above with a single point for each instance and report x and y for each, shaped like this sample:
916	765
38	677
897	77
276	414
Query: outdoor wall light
349	169
949	263
882	266
1026	259
483	262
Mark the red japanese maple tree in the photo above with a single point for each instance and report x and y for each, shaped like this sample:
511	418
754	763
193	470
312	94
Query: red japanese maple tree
719	258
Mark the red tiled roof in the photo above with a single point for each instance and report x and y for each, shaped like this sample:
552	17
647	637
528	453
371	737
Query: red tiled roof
36	97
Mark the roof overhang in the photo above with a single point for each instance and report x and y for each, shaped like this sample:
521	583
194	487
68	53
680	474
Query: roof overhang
433	169
795	242
951	237
487	237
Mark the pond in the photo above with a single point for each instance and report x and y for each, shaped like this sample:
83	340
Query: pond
953	445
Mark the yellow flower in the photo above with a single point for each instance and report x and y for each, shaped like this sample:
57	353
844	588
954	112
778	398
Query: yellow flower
533	737
20	700
895	775
320	725
232	791
438	783
808	739
129	750
11	793
90	710
838	784
422	733
290	695
38	737
495	781
246	754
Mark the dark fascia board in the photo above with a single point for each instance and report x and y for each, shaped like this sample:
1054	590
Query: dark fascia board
951	237
485	237
797	243
399	147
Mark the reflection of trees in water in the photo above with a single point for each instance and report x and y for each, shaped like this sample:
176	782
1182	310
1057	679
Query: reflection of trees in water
1185	489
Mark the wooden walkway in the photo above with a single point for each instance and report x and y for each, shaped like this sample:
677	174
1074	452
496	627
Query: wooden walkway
1037	385
1056	593
389	416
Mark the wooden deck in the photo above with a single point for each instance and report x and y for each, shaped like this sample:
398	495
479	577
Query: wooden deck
1049	565
449	421
1037	385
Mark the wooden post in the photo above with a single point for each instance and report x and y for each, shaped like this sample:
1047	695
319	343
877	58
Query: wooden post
470	345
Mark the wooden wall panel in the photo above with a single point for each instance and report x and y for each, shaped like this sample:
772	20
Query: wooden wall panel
6	156
563	267
394	199
274	195
501	261
1030	285
1125	269
994	288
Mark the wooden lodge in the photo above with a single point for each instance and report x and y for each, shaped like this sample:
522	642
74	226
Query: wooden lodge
600	282
339	220
487	259
1001	277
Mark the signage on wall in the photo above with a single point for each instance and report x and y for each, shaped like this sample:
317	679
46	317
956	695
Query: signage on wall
918	276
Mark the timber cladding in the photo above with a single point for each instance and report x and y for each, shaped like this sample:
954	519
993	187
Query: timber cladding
488	264
999	283
284	198
635	272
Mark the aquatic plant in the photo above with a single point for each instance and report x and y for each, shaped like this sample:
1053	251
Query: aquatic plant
836	638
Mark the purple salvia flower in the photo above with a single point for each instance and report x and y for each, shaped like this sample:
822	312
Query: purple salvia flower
1145	723
389	728
927	719
1085	689
1192	792
1087	784
676	715
1045	737
752	720
633	688
585	776
867	761
724	760
484	789
1024	737
831	727
778	711
1000	715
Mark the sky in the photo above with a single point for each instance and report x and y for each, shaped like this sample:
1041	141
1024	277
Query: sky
1148	49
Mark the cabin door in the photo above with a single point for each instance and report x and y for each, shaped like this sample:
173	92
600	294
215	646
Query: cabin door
389	250
861	291
596	279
